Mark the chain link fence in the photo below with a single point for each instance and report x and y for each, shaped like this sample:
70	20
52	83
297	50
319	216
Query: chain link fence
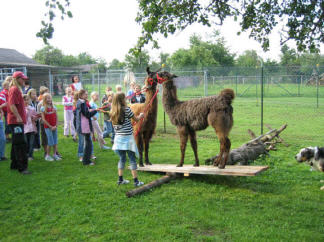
265	96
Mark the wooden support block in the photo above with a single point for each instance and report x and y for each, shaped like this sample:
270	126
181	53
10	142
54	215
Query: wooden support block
186	174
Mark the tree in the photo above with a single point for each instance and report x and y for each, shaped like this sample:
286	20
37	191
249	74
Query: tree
85	58
49	55
248	62
303	21
202	54
288	56
115	64
139	62
54	7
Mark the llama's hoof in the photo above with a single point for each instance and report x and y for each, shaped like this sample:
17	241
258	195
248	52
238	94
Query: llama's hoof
179	165
141	164
196	165
220	166
148	163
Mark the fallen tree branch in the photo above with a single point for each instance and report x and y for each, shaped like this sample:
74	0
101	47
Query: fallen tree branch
252	150
156	183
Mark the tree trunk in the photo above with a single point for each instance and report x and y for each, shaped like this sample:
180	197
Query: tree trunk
156	183
251	150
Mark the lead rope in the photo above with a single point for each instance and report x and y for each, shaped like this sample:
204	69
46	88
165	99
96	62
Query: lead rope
145	111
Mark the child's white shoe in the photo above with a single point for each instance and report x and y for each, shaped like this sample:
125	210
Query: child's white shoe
138	184
49	158
56	157
123	182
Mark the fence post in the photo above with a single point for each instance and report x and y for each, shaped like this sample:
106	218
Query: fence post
98	73
317	89
205	84
92	81
298	83
50	81
261	98
164	123
236	85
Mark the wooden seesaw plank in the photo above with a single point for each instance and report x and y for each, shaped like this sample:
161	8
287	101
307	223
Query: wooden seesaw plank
229	170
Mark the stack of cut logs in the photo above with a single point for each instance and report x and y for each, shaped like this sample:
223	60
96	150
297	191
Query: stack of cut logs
252	150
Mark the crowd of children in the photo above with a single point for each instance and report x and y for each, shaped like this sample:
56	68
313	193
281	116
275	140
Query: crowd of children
33	121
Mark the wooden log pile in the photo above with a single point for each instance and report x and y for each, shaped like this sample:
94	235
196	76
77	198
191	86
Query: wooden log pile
252	150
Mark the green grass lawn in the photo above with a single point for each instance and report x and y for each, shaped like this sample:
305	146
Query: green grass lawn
67	201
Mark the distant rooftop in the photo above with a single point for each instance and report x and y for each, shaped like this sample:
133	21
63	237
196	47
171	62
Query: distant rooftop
10	56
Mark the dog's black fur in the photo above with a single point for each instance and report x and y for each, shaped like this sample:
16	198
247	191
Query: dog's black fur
314	156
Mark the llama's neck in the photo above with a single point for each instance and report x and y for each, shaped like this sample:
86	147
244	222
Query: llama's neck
169	97
148	97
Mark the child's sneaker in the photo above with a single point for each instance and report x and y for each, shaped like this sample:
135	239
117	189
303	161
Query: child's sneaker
49	158
122	182
56	157
30	158
138	184
80	159
105	147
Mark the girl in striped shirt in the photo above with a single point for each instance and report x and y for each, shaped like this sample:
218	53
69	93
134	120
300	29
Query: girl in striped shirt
124	142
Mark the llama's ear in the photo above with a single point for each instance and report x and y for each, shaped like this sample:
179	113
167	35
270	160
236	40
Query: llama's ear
148	70
174	76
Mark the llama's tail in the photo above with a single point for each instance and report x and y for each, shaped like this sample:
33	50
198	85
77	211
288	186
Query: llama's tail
228	95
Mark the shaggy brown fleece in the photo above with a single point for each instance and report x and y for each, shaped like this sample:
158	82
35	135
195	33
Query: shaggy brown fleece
147	127
198	114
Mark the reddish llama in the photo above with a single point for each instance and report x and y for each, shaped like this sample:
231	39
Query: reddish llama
147	127
197	114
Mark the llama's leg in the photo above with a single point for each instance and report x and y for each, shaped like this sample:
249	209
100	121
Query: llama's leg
146	137
139	142
193	142
183	134
226	149
219	158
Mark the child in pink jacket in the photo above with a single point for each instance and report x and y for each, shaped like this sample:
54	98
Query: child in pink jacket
30	126
67	102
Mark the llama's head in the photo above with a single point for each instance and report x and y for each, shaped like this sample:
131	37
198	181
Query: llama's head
150	81
159	77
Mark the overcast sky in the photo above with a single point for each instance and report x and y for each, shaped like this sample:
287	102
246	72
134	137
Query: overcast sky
104	29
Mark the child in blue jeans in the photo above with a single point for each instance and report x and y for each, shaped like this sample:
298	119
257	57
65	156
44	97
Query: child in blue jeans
121	116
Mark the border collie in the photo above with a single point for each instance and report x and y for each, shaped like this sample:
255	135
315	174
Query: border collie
313	156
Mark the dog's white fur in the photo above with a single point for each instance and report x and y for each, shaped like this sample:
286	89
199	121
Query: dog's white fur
314	163
313	156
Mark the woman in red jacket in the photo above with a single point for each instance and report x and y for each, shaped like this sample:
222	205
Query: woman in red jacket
16	121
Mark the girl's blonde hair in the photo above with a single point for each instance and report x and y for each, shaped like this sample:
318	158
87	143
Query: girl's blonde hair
7	81
93	94
67	88
30	92
45	104
118	87
43	90
14	82
75	98
117	113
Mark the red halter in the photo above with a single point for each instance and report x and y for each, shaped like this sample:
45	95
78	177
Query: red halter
159	79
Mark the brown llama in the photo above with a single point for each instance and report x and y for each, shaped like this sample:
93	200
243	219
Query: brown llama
147	127
197	114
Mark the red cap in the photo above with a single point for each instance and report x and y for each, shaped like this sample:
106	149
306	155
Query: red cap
20	74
